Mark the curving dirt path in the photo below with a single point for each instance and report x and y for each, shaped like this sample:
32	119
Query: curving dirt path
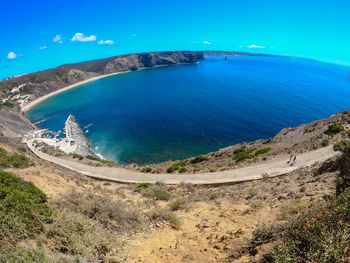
270	168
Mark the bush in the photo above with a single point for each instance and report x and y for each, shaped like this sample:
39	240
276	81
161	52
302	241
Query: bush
320	235
75	234
15	160
23	209
7	104
243	154
182	170
111	214
262	151
141	187
199	159
9	254
334	129
161	214
78	156
176	166
98	159
342	145
178	204
157	192
146	170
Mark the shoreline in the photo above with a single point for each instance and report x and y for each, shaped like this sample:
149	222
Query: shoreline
37	101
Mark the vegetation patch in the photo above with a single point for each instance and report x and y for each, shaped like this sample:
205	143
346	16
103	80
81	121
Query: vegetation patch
76	234
243	153
23	209
146	170
10	254
342	145
14	160
199	159
156	192
176	166
334	129
142	187
7	104
165	215
77	156
112	214
262	151
178	204
320	234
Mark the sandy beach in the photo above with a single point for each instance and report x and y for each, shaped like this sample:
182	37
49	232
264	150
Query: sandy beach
51	94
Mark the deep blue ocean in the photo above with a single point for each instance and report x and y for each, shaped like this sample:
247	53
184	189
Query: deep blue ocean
174	112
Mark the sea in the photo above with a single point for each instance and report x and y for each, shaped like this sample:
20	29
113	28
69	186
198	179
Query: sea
175	112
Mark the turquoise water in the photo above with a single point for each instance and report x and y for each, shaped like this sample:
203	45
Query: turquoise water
175	112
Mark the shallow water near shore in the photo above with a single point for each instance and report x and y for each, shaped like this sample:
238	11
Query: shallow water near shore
175	112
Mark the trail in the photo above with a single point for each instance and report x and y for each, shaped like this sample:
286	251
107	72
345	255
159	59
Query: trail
271	168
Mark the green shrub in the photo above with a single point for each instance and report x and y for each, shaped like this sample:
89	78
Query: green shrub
112	214
7	104
243	153
334	129
10	254
23	209
21	150
321	234
342	145
262	151
141	187
199	159
176	166
178	204
146	170
157	192
161	214
93	158
241	156
75	234
182	170
78	156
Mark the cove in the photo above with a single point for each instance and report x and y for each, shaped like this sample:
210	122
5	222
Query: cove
175	112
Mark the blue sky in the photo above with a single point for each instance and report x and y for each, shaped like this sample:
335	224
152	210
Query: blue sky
38	34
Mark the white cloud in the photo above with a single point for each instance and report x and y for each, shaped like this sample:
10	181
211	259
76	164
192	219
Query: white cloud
11	55
105	42
82	38
255	46
57	39
42	47
206	42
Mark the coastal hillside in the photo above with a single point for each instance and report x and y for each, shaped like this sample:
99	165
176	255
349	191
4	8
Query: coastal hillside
50	213
25	88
